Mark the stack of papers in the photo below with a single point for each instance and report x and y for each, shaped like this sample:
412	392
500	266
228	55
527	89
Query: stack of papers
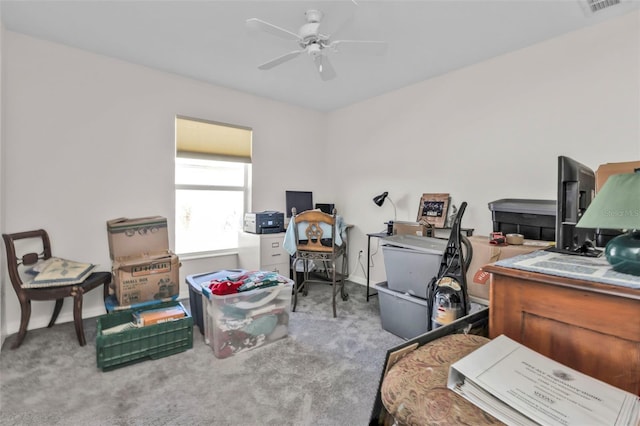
522	387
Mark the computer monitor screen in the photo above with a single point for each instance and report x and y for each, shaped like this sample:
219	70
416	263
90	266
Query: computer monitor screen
325	207
576	189
301	200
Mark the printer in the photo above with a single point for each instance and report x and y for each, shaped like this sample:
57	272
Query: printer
266	222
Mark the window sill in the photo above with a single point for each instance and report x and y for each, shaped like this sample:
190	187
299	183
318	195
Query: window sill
208	255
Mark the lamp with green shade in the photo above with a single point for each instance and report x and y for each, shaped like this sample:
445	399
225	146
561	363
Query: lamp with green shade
617	206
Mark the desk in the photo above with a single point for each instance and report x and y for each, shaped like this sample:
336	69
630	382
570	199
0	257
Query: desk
443	233
589	326
375	235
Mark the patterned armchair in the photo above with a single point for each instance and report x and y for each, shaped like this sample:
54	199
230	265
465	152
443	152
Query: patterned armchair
413	387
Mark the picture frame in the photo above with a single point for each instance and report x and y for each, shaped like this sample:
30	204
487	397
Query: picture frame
433	209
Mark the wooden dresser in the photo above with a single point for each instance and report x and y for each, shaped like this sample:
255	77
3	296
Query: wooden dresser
591	327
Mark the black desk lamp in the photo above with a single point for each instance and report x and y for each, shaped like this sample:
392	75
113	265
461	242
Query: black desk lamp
379	200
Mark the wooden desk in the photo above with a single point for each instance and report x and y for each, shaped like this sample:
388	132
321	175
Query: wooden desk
591	327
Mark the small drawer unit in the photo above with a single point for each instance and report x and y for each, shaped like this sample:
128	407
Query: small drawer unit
264	252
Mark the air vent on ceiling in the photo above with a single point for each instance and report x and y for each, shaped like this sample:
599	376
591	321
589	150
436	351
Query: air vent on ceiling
598	5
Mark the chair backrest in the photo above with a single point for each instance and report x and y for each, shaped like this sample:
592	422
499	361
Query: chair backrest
15	260
315	224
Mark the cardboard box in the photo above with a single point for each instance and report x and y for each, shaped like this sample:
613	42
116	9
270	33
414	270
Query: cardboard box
141	279
137	237
411	228
485	253
608	169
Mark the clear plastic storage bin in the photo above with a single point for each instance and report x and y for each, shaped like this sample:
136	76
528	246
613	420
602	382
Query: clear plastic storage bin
242	321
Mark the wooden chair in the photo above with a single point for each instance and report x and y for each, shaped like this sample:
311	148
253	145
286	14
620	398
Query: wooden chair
319	245
17	265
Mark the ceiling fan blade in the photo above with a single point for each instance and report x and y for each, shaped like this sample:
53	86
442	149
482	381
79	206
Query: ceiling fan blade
366	47
324	67
280	59
259	24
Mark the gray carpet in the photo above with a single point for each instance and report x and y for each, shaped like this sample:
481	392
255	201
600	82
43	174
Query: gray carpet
325	372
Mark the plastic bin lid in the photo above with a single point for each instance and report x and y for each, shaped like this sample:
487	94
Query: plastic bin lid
196	280
415	242
518	205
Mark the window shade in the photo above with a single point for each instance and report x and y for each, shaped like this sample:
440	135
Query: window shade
199	138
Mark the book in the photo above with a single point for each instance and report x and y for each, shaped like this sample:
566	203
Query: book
157	316
119	328
522	387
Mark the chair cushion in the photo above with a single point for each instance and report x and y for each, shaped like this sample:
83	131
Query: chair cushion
414	391
54	272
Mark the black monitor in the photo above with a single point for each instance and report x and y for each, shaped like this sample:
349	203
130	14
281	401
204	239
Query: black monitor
301	200
576	189
326	207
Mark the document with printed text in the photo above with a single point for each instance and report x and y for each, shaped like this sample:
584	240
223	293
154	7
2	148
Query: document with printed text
522	387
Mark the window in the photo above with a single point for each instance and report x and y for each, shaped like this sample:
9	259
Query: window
212	180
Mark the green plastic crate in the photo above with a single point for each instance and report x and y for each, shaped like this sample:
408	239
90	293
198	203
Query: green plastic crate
138	344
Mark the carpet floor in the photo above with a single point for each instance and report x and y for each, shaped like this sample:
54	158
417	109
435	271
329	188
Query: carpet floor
325	372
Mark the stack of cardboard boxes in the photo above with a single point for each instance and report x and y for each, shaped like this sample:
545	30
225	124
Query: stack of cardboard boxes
143	267
608	169
144	320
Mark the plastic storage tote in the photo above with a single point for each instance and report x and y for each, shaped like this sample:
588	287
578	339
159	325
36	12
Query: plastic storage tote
411	262
404	315
242	321
407	316
195	292
139	343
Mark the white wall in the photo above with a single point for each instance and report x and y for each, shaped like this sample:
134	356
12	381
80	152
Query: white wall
490	131
2	252
89	138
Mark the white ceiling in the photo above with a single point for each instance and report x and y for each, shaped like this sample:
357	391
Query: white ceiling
209	41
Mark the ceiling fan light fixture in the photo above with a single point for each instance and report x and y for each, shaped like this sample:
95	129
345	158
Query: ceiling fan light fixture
314	50
313	42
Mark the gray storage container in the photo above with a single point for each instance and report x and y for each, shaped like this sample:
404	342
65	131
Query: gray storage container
401	314
411	262
407	316
535	219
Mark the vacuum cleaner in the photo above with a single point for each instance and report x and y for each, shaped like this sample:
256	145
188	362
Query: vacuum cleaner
447	296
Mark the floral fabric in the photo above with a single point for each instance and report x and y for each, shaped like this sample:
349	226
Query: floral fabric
415	392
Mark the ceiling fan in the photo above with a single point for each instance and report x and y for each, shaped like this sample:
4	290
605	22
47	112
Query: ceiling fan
316	44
